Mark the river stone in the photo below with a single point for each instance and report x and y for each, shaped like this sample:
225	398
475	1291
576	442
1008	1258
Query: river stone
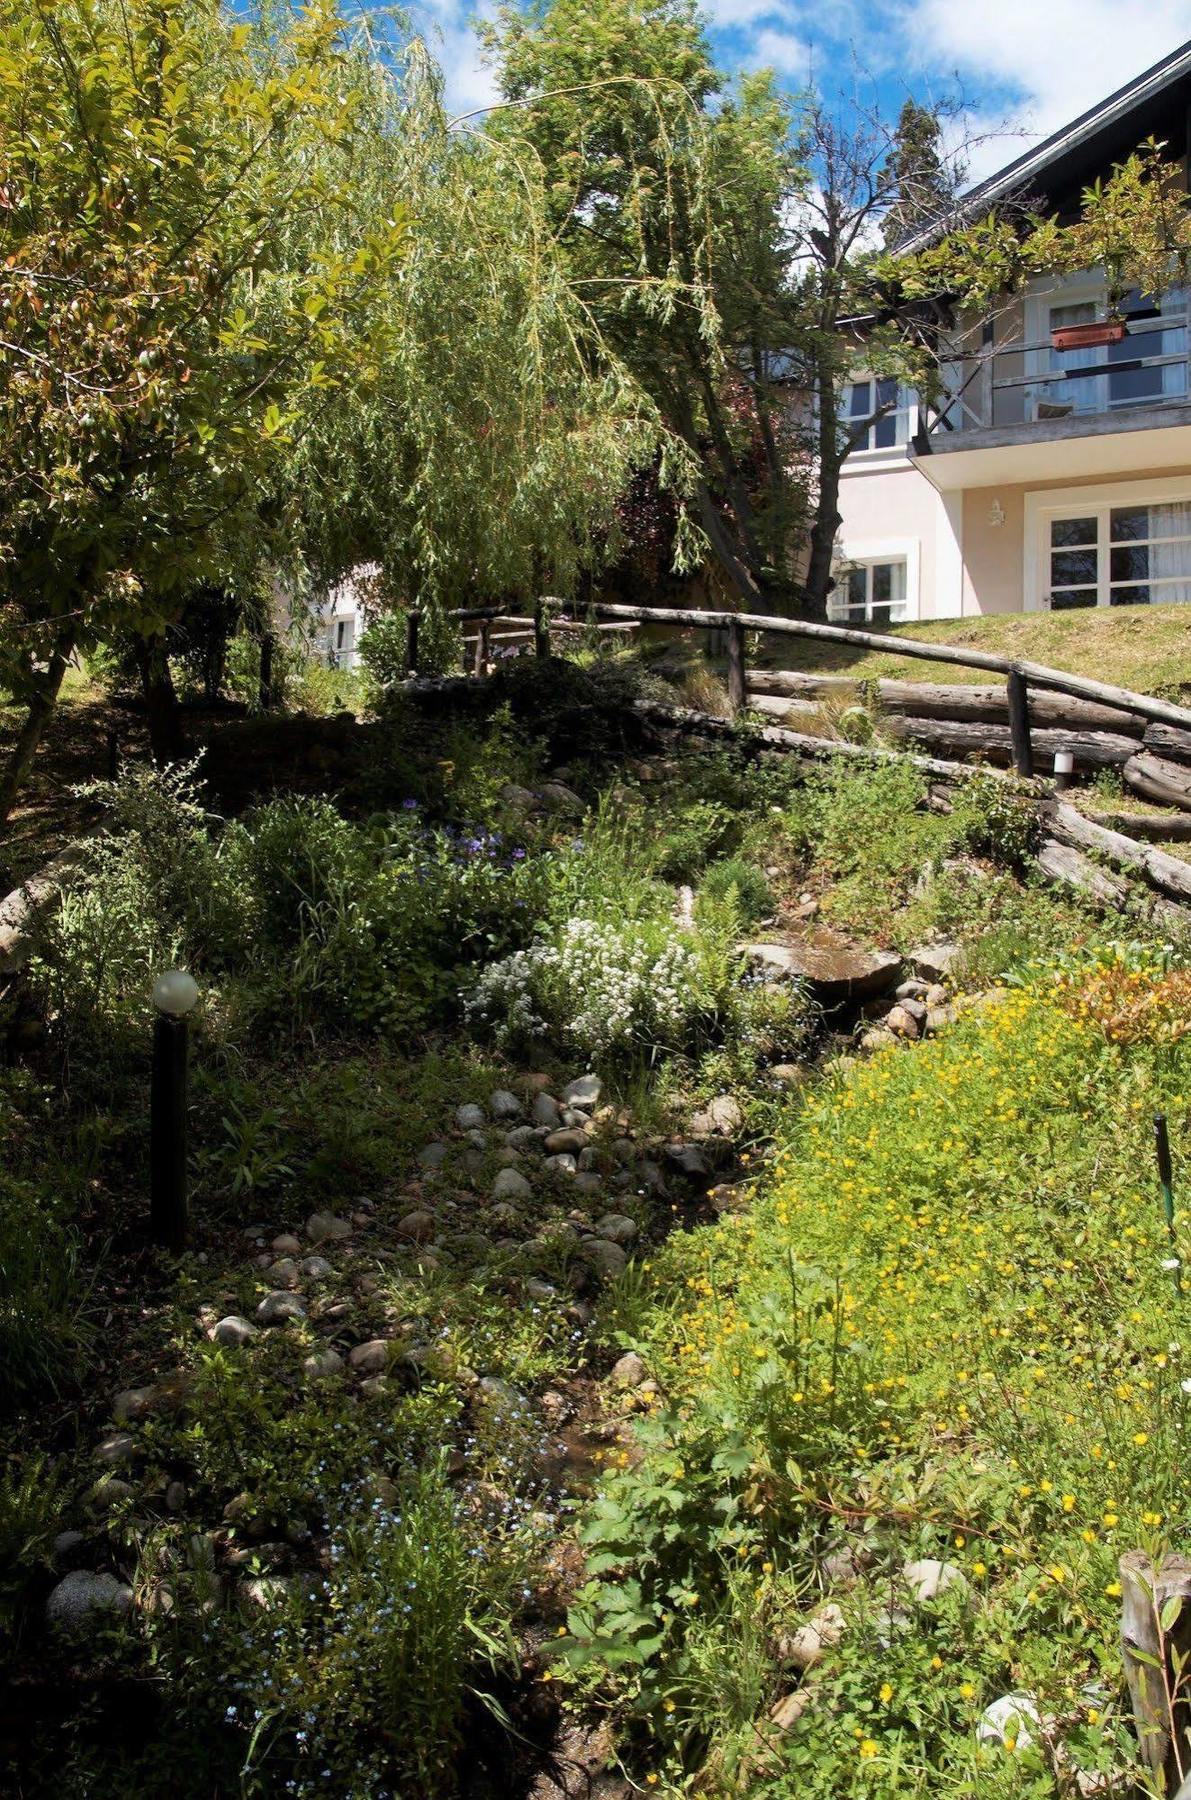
277	1307
233	1331
119	1448
324	1228
315	1268
419	1227
575	1119
66	1541
836	972
536	1289
929	1577
284	1273
562	1164
519	799
556	797
372	1358
510	1184
584	1092
545	1110
689	1160
84	1592
902	1022
605	1257
521	1137
565	1143
109	1492
504	1105
618	1228
628	1372
469	1117
287	1244
939	1017
322	1363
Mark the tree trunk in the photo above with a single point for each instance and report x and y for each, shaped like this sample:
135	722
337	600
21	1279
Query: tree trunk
161	702
41	707
826	521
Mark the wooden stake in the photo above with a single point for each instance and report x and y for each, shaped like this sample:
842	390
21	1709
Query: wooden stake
1156	1643
483	646
736	668
1019	722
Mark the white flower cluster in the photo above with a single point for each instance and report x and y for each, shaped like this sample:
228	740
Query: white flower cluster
601	987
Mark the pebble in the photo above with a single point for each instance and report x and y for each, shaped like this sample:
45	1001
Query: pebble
504	1105
83	1592
521	1137
322	1363
618	1228
419	1227
510	1184
315	1268
233	1331
562	1164
584	1093
470	1117
568	1142
284	1273
323	1228
277	1307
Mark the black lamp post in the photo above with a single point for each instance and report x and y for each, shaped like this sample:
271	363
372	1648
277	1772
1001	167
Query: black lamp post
175	994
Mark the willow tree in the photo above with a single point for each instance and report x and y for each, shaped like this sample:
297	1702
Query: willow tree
666	192
156	349
480	452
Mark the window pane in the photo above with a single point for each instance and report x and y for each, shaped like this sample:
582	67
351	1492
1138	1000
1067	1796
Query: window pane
887	391
1129	524
1168	593
857	587
882	583
1129	596
1066	598
885	432
1064	533
1068	568
1129	562
860	400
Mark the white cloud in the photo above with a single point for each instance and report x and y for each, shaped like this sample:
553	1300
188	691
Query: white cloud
446	27
789	55
1059	58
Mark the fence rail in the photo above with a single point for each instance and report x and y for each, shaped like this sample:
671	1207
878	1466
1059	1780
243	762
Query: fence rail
1020	676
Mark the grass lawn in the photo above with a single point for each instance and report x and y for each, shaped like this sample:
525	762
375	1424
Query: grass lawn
1144	648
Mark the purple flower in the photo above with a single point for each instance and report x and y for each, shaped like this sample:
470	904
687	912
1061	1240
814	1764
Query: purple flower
518	856
409	806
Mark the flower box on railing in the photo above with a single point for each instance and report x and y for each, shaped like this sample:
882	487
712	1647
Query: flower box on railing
1087	337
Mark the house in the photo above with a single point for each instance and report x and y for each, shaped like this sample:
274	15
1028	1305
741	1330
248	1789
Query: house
340	618
1051	476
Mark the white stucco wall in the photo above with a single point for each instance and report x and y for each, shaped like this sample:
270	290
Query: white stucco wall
889	509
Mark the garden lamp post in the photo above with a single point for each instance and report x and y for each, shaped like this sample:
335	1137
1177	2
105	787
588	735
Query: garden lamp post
175	995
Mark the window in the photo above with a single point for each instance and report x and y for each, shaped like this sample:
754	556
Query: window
862	399
870	593
1157	331
1121	556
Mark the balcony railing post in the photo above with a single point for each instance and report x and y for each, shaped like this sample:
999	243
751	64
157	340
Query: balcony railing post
1019	722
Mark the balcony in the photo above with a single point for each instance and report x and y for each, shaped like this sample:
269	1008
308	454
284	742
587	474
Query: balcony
1025	411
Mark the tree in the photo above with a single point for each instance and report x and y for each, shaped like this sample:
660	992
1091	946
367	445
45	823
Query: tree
156	349
667	193
923	179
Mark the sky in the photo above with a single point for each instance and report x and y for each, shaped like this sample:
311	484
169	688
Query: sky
1029	64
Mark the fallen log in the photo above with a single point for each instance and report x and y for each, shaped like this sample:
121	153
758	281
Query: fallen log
778	706
1091	749
1155	828
1166	873
1068	867
24	909
1166	783
1168	740
816	749
951	700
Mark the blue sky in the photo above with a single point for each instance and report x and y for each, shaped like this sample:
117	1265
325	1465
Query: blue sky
1036	63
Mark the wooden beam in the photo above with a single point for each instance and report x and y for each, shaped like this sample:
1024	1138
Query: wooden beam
1166	783
1068	867
1156	828
816	749
736	667
950	700
1167	873
1018	692
1091	749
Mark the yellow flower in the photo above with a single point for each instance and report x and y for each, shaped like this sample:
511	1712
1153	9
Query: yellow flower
1141	1437
868	1747
967	1691
886	1693
1113	1590
1068	1502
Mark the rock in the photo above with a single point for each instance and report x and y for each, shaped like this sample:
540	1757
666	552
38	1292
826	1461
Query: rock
521	1137
278	1307
504	1213
902	1023
809	1644
628	1372
588	1182
233	1331
315	1268
1006	1722
325	1228
787	1074
935	995
321	1364
911	990
284	1273
618	1228
878	1037
928	1578
492	1391
508	1158
565	1143
584	1093
266	1591
119	1448
916	1008
540	1290
110	1492
287	1244
65	1542
836	972
372	1358
433	1156
545	1111
556	797
843	1568
785	1713
510	1184
376	1387
939	1017
587	1159
519	799
726	1114
624	1150
561	1165
84	1592
418	1227
727	1198
470	1117
935	962
132	1404
475	1139
535	1081
689	1160
504	1105
575	1118
175	1497
605	1257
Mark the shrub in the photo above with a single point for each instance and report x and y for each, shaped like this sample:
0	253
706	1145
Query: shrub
384	649
746	881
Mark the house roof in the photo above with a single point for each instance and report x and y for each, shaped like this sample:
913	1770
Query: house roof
1088	145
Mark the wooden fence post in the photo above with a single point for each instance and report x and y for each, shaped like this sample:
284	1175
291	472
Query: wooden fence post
265	690
1019	722
1156	1643
483	645
736	671
413	619
541	628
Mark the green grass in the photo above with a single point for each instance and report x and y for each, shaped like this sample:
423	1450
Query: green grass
1146	648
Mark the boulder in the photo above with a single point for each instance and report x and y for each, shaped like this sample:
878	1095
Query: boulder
233	1331
510	1184
584	1093
836	972
808	1645
935	962
83	1593
278	1307
519	799
556	797
469	1117
504	1105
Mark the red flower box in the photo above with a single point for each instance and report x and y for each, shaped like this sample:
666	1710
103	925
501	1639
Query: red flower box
1086	337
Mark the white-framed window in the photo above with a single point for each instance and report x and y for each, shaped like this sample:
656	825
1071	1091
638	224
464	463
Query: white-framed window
1156	332
870	591
866	396
1106	546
